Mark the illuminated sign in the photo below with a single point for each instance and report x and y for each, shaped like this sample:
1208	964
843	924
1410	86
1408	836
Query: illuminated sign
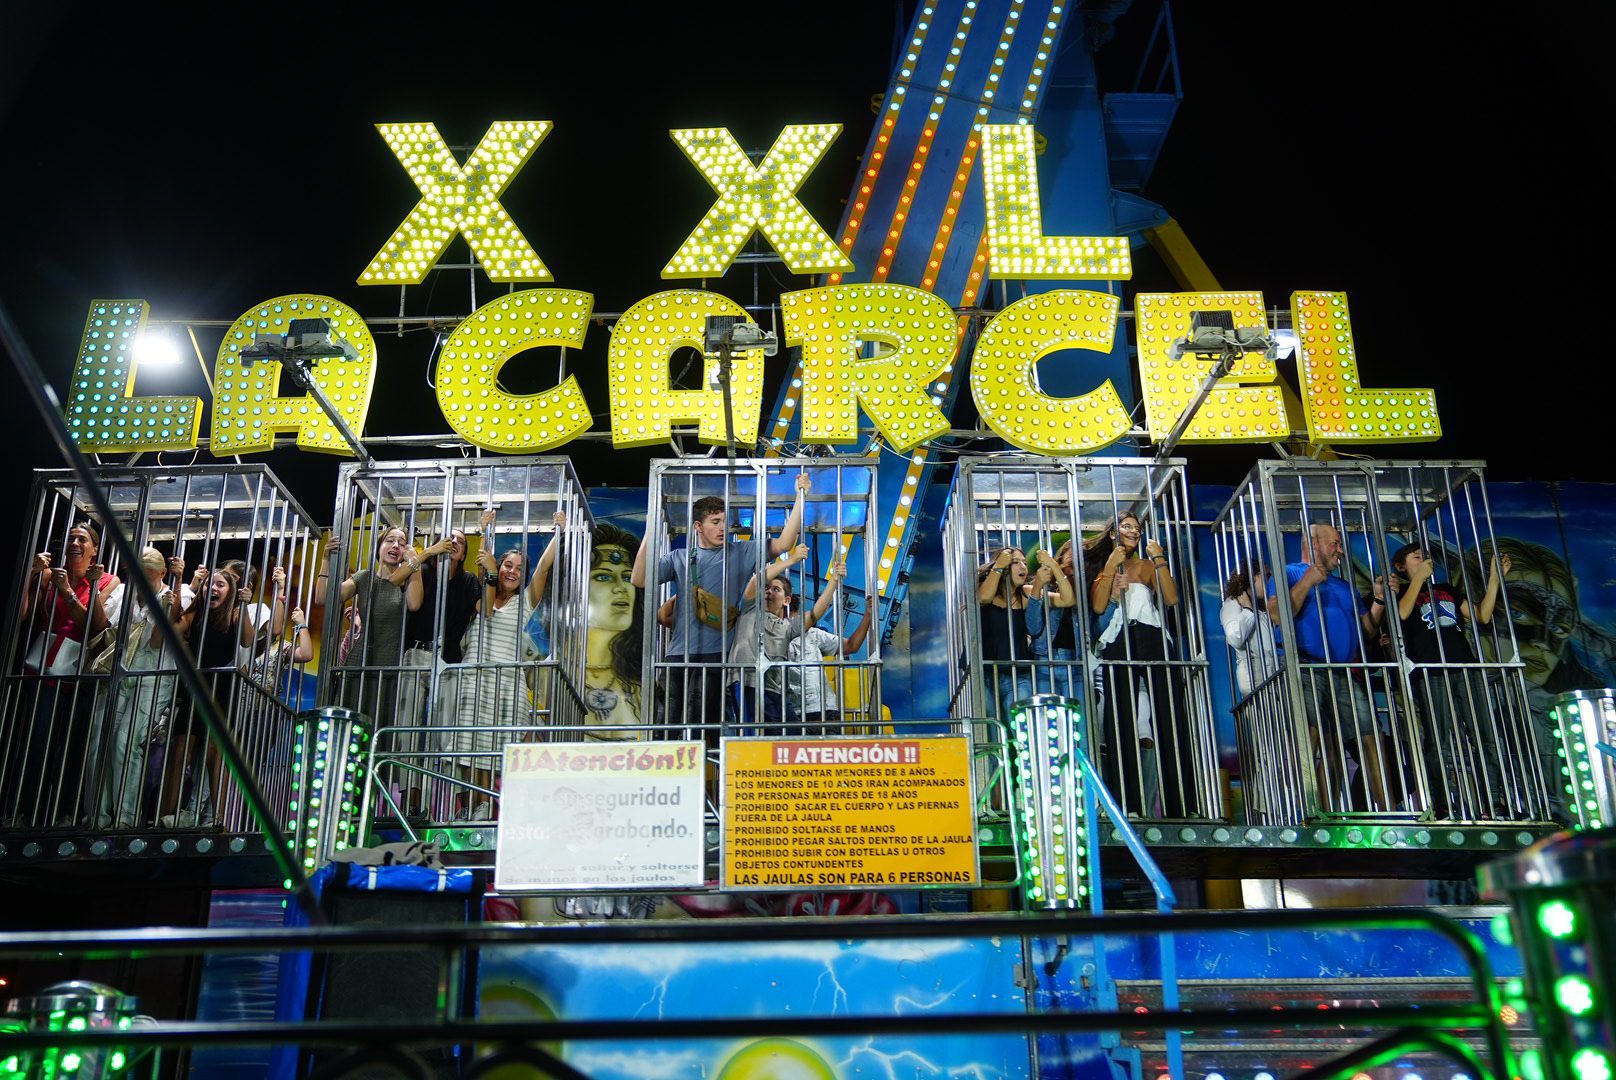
102	412
756	198
459	199
876	349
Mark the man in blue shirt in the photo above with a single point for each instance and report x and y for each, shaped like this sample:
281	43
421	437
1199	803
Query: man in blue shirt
709	577
1328	615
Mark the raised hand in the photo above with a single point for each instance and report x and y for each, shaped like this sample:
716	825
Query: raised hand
803	482
176	566
42	562
1153	549
797	554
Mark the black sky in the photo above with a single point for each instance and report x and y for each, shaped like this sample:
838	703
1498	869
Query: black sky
1440	165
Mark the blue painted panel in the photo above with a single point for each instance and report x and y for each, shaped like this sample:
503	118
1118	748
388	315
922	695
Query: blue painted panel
795	979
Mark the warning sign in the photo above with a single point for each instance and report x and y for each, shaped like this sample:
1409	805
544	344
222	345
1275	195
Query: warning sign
848	813
592	815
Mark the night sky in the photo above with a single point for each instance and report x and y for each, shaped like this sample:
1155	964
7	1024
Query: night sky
1437	165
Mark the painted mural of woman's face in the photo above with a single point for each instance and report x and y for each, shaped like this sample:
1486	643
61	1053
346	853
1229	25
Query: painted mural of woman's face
1545	617
611	592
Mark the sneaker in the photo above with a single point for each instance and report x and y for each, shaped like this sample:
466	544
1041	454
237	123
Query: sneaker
185	819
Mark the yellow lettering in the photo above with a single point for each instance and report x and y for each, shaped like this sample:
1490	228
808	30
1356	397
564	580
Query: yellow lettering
1017	245
643	406
1338	406
247	408
1232	413
463	200
103	412
915	335
468	388
1004	373
756	198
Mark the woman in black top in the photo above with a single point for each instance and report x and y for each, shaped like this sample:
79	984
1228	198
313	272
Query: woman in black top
1458	745
213	627
1007	654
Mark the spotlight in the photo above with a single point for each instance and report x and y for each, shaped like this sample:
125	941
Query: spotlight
156	348
1214	336
734	333
305	342
721	336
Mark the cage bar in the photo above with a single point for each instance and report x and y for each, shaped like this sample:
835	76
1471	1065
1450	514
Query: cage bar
1138	663
1342	709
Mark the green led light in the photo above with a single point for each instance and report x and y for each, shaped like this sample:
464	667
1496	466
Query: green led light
78	1023
1557	919
1515	988
1503	933
1532	1065
1591	1064
71	1062
118	1060
1575	995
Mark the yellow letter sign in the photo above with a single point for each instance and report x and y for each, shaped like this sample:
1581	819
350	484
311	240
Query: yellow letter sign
752	198
1017	245
482	411
1338	407
102	411
918	332
456	199
1004	374
1232	413
644	407
247	407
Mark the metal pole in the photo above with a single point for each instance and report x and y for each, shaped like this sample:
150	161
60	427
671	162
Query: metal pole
1222	368
305	375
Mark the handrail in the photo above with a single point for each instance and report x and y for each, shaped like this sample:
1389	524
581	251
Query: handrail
1095	791
1479	1014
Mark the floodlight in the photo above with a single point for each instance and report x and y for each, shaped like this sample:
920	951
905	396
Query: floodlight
156	348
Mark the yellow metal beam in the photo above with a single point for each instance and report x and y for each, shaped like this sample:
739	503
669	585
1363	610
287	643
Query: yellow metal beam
1183	261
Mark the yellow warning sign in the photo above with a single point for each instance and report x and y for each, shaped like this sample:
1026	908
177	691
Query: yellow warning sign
848	813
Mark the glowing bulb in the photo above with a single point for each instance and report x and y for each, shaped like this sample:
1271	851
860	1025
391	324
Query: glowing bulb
156	348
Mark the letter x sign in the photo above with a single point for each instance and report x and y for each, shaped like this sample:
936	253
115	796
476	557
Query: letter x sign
459	199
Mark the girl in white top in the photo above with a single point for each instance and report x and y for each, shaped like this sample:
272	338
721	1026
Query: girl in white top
143	695
1131	647
775	628
493	686
1248	630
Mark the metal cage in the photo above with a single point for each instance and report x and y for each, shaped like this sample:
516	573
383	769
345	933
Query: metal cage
483	645
1350	714
96	737
708	671
1138	663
